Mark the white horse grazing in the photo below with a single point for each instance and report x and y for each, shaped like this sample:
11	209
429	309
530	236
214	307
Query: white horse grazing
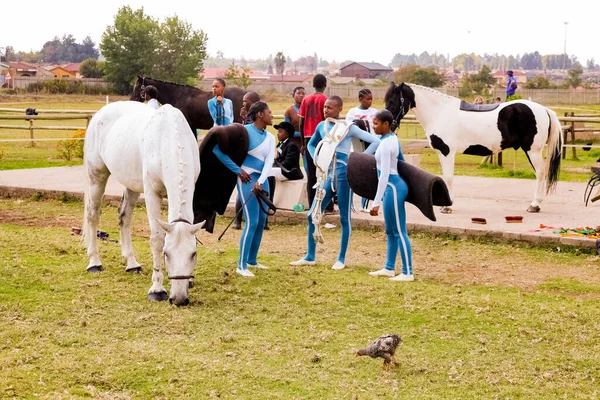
452	126
152	152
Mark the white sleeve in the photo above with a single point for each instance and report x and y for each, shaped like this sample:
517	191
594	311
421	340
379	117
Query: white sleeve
268	161
350	115
386	156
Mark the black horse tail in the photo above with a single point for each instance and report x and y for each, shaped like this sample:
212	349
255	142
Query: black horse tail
554	154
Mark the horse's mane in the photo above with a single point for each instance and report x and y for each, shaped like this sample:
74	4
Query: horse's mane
430	90
172	83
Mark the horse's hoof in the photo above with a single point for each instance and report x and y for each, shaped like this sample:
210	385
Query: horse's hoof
446	210
190	284
134	270
160	296
95	268
533	209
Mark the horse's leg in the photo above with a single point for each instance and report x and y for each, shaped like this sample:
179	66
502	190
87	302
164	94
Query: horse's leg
157	241
126	207
448	174
537	161
93	203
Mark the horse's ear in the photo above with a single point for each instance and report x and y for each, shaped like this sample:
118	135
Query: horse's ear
164	225
196	227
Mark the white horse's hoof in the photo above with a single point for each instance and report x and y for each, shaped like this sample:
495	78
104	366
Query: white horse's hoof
158	296
533	209
95	268
446	210
134	270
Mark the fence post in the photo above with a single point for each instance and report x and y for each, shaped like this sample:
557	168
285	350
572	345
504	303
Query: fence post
31	132
573	137
565	133
89	117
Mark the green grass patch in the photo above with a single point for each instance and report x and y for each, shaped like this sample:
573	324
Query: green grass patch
474	324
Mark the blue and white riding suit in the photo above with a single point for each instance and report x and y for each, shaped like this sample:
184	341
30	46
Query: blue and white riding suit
222	114
340	184
393	190
257	164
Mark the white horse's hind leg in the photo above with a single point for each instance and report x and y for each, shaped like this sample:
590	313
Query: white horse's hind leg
128	202
93	203
538	163
157	242
448	174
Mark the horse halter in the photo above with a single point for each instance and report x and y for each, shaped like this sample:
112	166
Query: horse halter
176	277
400	115
143	89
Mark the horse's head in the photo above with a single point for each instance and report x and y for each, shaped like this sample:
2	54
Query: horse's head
138	89
180	257
399	99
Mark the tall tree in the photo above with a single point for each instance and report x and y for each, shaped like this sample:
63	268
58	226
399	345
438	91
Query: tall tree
575	73
279	63
181	52
91	68
129	47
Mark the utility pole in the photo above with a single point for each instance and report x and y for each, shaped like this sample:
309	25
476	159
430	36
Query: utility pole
565	49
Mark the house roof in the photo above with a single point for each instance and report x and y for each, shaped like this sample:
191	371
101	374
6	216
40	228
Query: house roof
501	73
58	67
290	78
341	80
22	66
212	73
71	67
370	66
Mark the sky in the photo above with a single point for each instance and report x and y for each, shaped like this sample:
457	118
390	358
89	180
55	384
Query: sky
370	31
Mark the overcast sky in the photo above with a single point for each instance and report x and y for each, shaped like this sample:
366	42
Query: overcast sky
369	31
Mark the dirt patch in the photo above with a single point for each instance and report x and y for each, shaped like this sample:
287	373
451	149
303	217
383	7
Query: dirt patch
16	217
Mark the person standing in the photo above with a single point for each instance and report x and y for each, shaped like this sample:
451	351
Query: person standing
291	113
247	101
310	115
511	84
150	95
252	177
220	108
391	193
337	179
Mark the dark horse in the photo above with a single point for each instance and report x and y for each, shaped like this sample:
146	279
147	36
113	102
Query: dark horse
191	101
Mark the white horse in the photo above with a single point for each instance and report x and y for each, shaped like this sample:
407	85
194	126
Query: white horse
152	152
483	130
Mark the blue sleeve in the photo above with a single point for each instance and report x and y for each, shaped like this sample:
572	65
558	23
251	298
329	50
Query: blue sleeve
225	159
400	155
314	140
212	109
355	131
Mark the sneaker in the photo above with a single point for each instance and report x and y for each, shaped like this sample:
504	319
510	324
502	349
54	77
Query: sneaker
257	265
383	272
403	278
365	210
328	226
338	265
244	272
303	261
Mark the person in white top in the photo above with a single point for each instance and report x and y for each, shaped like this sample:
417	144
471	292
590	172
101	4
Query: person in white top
366	113
150	95
391	192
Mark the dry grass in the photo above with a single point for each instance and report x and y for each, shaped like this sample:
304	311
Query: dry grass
482	320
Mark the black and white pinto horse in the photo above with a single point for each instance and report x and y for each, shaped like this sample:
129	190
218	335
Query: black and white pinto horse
485	131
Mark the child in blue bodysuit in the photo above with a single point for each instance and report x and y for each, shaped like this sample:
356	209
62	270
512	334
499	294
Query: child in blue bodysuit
252	176
220	108
392	191
333	108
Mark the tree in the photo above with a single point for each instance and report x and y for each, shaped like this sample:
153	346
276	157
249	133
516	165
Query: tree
484	76
421	76
406	73
574	78
9	54
279	63
538	82
270	70
239	76
129	46
591	63
181	52
91	68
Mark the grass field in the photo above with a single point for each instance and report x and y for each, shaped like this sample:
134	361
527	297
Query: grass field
482	320
44	154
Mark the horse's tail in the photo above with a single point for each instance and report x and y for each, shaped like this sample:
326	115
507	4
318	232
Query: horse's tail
554	154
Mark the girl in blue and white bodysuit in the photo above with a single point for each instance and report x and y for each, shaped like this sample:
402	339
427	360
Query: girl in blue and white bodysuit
332	109
253	175
392	191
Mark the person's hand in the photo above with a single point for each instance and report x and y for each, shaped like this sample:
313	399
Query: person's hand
257	187
244	177
303	150
374	211
243	113
219	99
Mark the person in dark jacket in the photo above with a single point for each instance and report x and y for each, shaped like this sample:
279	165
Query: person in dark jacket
287	161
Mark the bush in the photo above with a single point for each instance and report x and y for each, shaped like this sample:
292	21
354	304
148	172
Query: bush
514	97
55	86
35	87
73	148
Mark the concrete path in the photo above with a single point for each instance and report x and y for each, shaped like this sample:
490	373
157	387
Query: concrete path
489	198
